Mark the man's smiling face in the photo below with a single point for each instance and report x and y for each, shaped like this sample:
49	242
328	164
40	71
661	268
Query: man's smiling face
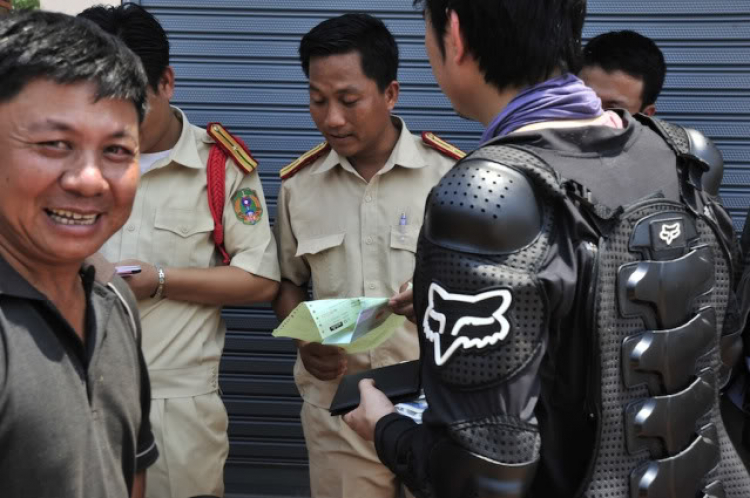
68	172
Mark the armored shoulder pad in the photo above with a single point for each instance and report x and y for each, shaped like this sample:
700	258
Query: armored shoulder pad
704	149
486	207
304	160
440	145
233	147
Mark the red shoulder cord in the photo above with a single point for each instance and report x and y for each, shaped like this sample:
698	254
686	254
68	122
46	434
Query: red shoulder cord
216	175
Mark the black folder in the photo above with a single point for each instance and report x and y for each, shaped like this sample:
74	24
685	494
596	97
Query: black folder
400	382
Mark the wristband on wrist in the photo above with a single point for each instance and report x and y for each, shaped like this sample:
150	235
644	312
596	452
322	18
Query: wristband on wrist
159	292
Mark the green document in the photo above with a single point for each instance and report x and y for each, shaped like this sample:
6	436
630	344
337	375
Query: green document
356	325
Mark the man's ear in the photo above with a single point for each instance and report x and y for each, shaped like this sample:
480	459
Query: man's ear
649	110
166	83
454	38
391	94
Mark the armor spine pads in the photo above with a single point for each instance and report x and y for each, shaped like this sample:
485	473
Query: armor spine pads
661	433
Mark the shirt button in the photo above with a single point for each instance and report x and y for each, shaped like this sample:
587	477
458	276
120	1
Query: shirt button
372	286
368	198
131	228
184	229
369	241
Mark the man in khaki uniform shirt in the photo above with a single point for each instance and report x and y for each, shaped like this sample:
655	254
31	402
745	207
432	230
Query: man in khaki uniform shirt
349	215
183	283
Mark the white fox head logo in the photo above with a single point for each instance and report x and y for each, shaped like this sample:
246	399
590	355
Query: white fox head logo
454	312
670	232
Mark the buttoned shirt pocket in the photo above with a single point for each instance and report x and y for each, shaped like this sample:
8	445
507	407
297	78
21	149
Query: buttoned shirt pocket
326	257
402	254
183	237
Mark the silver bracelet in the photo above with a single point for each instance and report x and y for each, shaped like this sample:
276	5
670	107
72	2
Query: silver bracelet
160	288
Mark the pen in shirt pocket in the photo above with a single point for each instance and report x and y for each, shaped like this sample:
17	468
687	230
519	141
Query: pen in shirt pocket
402	222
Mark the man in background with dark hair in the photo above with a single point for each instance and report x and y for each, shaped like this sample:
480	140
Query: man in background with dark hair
575	331
74	392
348	218
195	257
626	70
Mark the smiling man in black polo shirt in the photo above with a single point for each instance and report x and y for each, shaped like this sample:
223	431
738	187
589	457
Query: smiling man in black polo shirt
74	397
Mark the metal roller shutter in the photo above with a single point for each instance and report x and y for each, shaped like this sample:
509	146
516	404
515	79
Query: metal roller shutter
236	62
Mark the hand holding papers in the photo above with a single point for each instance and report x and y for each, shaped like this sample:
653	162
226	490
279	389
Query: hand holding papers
356	325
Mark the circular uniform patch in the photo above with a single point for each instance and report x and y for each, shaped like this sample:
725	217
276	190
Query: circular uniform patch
247	206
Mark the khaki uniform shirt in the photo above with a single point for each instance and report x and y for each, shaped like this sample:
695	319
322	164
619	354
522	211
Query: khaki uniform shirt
345	236
171	225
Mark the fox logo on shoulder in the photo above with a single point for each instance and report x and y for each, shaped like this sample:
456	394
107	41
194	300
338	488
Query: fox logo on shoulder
454	321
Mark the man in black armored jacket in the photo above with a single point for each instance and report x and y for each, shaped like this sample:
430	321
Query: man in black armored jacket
574	286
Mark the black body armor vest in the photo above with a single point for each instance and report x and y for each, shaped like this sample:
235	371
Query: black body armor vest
577	320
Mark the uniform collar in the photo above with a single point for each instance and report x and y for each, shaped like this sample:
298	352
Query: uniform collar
405	154
185	151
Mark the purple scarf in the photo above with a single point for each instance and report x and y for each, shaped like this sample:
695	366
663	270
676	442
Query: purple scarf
564	97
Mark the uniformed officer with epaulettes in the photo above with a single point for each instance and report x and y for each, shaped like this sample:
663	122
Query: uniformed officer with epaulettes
199	229
349	214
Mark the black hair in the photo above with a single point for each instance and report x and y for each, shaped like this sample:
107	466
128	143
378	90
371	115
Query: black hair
65	50
517	43
140	31
631	53
361	33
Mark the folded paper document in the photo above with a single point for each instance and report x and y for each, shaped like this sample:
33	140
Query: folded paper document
356	325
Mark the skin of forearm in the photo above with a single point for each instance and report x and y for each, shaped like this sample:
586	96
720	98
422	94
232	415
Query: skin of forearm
289	296
224	285
139	485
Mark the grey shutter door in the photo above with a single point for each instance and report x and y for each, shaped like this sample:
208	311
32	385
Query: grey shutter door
236	63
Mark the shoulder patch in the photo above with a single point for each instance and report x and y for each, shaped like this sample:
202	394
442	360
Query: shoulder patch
440	145
304	160
232	146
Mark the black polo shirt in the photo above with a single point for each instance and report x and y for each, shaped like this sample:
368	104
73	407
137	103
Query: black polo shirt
73	416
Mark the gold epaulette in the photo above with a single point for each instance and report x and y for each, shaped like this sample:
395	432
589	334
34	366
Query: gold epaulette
442	146
304	160
233	146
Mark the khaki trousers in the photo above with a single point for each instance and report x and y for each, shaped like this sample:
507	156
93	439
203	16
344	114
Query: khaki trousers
343	465
191	433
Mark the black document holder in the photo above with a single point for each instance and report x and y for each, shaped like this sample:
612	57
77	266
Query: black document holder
400	382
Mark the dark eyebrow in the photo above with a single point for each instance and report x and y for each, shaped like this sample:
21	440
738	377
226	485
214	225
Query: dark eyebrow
54	125
345	90
50	124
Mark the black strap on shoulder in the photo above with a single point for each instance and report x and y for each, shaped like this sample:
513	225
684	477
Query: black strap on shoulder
689	168
549	180
520	158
